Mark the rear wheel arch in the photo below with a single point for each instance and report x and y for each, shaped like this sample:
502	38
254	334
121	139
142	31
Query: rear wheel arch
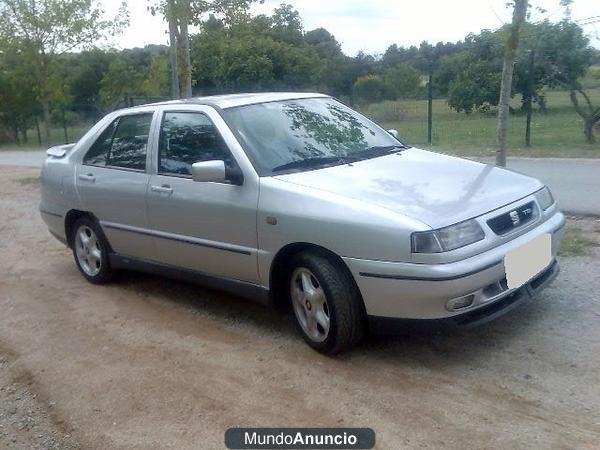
71	218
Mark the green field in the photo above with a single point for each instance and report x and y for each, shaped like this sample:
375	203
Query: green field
57	137
558	132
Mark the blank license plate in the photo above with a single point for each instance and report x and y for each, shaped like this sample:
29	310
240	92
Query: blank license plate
525	262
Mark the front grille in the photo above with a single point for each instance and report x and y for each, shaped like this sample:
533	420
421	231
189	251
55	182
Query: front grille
513	219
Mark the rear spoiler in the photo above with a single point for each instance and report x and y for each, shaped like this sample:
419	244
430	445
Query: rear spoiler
59	151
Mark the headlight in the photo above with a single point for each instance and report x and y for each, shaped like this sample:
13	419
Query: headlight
544	198
446	239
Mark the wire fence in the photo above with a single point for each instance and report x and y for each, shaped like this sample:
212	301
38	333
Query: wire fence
556	132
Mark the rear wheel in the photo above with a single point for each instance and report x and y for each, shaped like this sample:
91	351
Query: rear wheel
90	250
326	302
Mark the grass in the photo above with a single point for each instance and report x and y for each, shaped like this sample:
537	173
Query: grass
557	133
576	243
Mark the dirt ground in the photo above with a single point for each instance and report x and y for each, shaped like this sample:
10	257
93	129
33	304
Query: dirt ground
151	363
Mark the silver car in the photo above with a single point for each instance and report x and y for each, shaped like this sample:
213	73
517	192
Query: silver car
294	197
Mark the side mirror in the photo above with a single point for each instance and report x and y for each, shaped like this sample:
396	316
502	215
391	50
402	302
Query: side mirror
394	133
206	171
217	172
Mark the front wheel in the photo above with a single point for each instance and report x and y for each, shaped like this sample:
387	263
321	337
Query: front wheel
326	302
90	250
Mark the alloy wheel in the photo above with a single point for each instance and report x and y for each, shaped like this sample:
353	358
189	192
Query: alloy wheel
88	250
310	304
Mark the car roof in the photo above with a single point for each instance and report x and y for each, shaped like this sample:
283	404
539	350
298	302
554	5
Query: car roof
233	100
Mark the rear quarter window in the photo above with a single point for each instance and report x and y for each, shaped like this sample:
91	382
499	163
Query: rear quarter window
123	144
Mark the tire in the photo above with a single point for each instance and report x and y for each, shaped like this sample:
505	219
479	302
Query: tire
327	305
91	251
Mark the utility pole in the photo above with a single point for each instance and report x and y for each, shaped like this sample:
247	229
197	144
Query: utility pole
172	19
510	53
529	98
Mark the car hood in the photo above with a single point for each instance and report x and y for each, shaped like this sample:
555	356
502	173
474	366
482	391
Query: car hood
436	189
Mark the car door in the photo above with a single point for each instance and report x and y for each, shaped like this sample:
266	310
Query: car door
112	181
204	226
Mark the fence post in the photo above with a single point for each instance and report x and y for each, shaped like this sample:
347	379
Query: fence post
64	124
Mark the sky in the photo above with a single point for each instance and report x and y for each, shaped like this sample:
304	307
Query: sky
373	25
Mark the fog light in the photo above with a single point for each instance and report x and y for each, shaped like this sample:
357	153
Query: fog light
460	303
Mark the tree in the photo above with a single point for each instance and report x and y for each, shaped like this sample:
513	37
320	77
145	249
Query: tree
568	56
41	30
18	94
589	113
287	25
510	54
134	72
260	53
471	78
180	14
550	55
475	86
333	76
395	56
122	80
85	72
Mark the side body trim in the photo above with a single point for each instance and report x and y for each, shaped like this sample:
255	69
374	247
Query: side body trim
50	213
178	237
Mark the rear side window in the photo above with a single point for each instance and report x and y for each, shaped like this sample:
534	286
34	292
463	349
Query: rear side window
123	144
187	138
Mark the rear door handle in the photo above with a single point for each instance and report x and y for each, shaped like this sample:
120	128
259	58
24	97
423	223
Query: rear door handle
164	189
88	177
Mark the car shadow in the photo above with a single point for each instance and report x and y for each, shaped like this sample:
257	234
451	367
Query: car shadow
431	347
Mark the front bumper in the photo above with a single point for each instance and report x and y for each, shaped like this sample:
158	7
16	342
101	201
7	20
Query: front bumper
473	318
421	291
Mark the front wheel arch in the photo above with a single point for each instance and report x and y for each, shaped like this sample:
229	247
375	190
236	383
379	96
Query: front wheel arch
280	266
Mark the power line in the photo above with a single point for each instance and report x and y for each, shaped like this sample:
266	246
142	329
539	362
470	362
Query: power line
588	20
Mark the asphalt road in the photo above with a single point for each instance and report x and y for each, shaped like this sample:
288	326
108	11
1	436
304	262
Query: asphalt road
575	183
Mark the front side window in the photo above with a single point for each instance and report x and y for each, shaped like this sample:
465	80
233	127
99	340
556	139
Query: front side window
307	133
123	144
187	138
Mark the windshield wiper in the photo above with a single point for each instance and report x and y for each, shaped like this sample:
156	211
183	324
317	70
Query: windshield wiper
371	152
312	162
377	150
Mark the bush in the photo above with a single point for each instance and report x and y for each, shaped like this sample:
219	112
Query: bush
369	89
401	82
386	111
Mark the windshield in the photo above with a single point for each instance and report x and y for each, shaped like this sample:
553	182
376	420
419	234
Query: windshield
305	134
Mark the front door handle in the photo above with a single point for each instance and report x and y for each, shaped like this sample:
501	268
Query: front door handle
87	177
164	189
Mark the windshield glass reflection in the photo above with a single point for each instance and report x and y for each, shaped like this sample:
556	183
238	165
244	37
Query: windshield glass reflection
284	134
